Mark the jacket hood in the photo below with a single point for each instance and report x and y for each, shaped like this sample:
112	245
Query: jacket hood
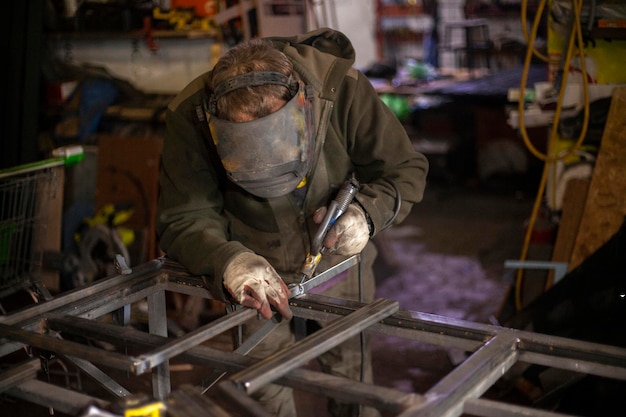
322	58
325	40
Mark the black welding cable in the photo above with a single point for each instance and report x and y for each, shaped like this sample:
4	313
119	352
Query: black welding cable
398	203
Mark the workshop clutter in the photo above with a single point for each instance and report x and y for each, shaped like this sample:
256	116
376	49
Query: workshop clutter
127	16
97	241
185	15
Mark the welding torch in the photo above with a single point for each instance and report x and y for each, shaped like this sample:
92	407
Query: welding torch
336	208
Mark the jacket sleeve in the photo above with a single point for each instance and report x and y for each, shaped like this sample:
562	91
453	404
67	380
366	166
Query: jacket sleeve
190	224
385	161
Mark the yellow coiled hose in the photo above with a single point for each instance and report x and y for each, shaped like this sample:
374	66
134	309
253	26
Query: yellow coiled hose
575	43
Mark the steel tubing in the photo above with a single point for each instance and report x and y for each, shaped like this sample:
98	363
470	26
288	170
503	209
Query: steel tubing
468	380
278	364
314	382
200	335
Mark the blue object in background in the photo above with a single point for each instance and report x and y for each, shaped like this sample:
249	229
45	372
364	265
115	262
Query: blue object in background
95	96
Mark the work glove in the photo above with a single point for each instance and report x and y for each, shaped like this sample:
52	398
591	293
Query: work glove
350	233
254	283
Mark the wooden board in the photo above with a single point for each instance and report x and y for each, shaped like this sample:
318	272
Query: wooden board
573	208
128	172
605	207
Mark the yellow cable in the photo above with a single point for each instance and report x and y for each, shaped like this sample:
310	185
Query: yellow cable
549	157
539	12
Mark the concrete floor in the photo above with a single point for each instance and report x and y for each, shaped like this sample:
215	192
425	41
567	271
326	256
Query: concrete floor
448	259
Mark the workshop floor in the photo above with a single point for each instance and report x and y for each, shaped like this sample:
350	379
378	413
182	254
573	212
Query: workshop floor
447	258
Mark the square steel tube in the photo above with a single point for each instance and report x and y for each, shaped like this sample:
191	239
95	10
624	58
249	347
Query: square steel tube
278	364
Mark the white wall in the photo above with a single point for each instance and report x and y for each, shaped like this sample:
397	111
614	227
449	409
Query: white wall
164	71
357	19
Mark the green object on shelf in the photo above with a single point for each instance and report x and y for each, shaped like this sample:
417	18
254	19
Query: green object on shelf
398	104
419	71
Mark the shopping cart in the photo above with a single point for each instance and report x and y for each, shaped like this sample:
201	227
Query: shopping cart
25	195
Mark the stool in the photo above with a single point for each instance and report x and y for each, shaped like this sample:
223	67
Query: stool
475	40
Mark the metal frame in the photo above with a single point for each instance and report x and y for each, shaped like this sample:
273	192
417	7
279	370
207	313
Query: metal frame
492	350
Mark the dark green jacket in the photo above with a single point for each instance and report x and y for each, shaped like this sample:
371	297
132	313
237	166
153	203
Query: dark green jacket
204	219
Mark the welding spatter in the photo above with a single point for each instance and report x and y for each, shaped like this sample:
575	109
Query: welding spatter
336	208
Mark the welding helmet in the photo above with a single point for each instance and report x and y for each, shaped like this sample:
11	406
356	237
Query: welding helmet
271	155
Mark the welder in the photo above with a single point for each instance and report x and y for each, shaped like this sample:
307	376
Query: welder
255	151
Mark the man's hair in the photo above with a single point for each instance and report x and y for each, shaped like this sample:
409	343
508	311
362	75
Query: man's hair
257	101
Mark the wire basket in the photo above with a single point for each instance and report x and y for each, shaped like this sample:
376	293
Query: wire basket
25	195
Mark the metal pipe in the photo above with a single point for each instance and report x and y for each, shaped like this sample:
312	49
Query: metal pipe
200	335
379	397
280	363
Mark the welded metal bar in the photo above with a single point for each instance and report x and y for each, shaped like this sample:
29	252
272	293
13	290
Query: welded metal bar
596	363
66	347
193	286
541	349
53	396
257	337
200	335
468	380
575	355
319	279
122	315
18	374
489	408
276	365
295	290
126	290
181	281
157	324
89	294
132	292
104	380
326	385
460	386
423	327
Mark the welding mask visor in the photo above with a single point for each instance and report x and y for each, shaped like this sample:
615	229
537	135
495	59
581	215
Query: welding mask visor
269	156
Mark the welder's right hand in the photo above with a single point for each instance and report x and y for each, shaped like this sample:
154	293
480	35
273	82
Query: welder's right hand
254	283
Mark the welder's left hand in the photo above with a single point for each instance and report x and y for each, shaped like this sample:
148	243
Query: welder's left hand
254	283
349	234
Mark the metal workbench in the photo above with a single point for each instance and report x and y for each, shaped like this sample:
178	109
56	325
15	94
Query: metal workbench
50	325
